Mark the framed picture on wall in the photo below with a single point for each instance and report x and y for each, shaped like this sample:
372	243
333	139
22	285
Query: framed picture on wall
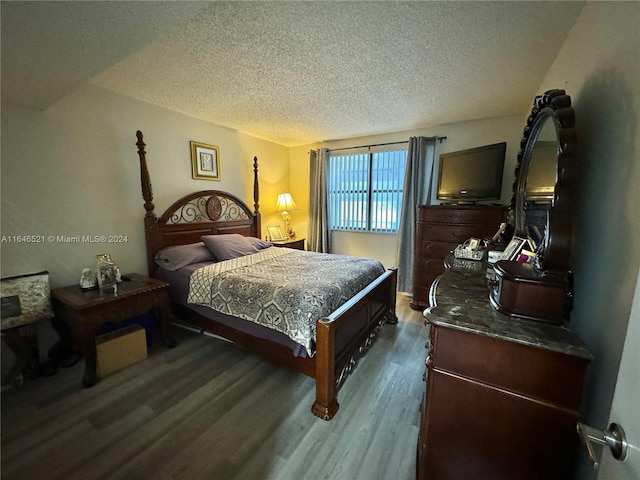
205	161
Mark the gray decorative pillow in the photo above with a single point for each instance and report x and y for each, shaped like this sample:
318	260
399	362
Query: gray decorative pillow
178	256
233	245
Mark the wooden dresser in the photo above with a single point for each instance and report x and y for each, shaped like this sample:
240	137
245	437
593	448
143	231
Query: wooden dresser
441	228
502	396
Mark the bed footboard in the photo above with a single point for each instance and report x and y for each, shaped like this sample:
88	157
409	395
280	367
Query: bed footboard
346	335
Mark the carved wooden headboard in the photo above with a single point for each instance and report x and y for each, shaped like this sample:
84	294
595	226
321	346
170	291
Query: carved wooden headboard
207	212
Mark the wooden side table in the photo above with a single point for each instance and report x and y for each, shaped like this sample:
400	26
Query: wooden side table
86	311
296	243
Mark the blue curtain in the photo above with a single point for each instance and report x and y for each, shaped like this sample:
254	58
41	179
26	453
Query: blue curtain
417	191
318	240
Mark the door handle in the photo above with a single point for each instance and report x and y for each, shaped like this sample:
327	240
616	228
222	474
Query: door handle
614	437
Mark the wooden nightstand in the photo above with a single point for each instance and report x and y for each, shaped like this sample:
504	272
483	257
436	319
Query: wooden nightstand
297	243
86	311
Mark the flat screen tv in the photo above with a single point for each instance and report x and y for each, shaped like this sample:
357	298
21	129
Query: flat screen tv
473	175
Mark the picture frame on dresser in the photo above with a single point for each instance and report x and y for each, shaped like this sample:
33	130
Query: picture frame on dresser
106	275
474	244
513	248
275	233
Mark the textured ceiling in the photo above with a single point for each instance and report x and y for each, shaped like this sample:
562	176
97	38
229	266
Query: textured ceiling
290	72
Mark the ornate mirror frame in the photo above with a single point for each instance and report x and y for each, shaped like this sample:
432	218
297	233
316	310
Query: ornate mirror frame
542	290
554	254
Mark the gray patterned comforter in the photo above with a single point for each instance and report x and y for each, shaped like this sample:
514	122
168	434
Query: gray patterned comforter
283	289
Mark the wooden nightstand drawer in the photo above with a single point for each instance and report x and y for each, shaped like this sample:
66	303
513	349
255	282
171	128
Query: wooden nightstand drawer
296	243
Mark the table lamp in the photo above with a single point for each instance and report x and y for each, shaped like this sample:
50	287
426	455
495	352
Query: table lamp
283	205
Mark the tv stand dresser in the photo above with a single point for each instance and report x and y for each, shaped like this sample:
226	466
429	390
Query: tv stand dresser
440	229
502	395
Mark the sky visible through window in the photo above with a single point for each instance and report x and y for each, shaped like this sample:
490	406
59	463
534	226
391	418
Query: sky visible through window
365	190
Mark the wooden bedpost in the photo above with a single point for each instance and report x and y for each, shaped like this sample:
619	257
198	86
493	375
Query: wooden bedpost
256	187
391	317
326	405
256	198
150	219
145	180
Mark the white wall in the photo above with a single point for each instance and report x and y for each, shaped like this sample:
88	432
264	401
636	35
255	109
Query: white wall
462	135
599	66
73	170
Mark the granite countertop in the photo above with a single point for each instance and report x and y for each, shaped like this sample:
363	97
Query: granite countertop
460	300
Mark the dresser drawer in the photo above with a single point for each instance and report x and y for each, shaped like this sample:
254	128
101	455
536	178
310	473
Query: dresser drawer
522	369
436	250
425	279
422	289
463	215
430	265
455	234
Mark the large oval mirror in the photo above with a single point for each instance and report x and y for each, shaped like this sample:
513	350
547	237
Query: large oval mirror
541	203
542	195
537	180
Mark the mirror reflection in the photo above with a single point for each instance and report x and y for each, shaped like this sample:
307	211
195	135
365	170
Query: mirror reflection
541	177
540	167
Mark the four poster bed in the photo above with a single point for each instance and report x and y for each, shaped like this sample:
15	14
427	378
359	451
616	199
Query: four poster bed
326	348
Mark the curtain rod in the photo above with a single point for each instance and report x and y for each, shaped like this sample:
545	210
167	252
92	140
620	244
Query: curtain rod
440	139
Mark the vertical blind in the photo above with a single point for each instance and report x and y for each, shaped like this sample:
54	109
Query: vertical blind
365	190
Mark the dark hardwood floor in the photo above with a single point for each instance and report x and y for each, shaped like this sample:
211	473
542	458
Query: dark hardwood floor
209	410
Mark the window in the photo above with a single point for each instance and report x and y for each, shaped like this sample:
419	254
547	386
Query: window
365	190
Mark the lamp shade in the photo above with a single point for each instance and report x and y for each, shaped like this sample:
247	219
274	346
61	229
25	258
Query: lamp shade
285	203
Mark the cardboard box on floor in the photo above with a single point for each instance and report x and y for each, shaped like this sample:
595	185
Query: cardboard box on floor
119	349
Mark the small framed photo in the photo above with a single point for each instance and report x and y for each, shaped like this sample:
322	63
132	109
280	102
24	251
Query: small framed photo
106	276
474	244
275	234
205	161
513	249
